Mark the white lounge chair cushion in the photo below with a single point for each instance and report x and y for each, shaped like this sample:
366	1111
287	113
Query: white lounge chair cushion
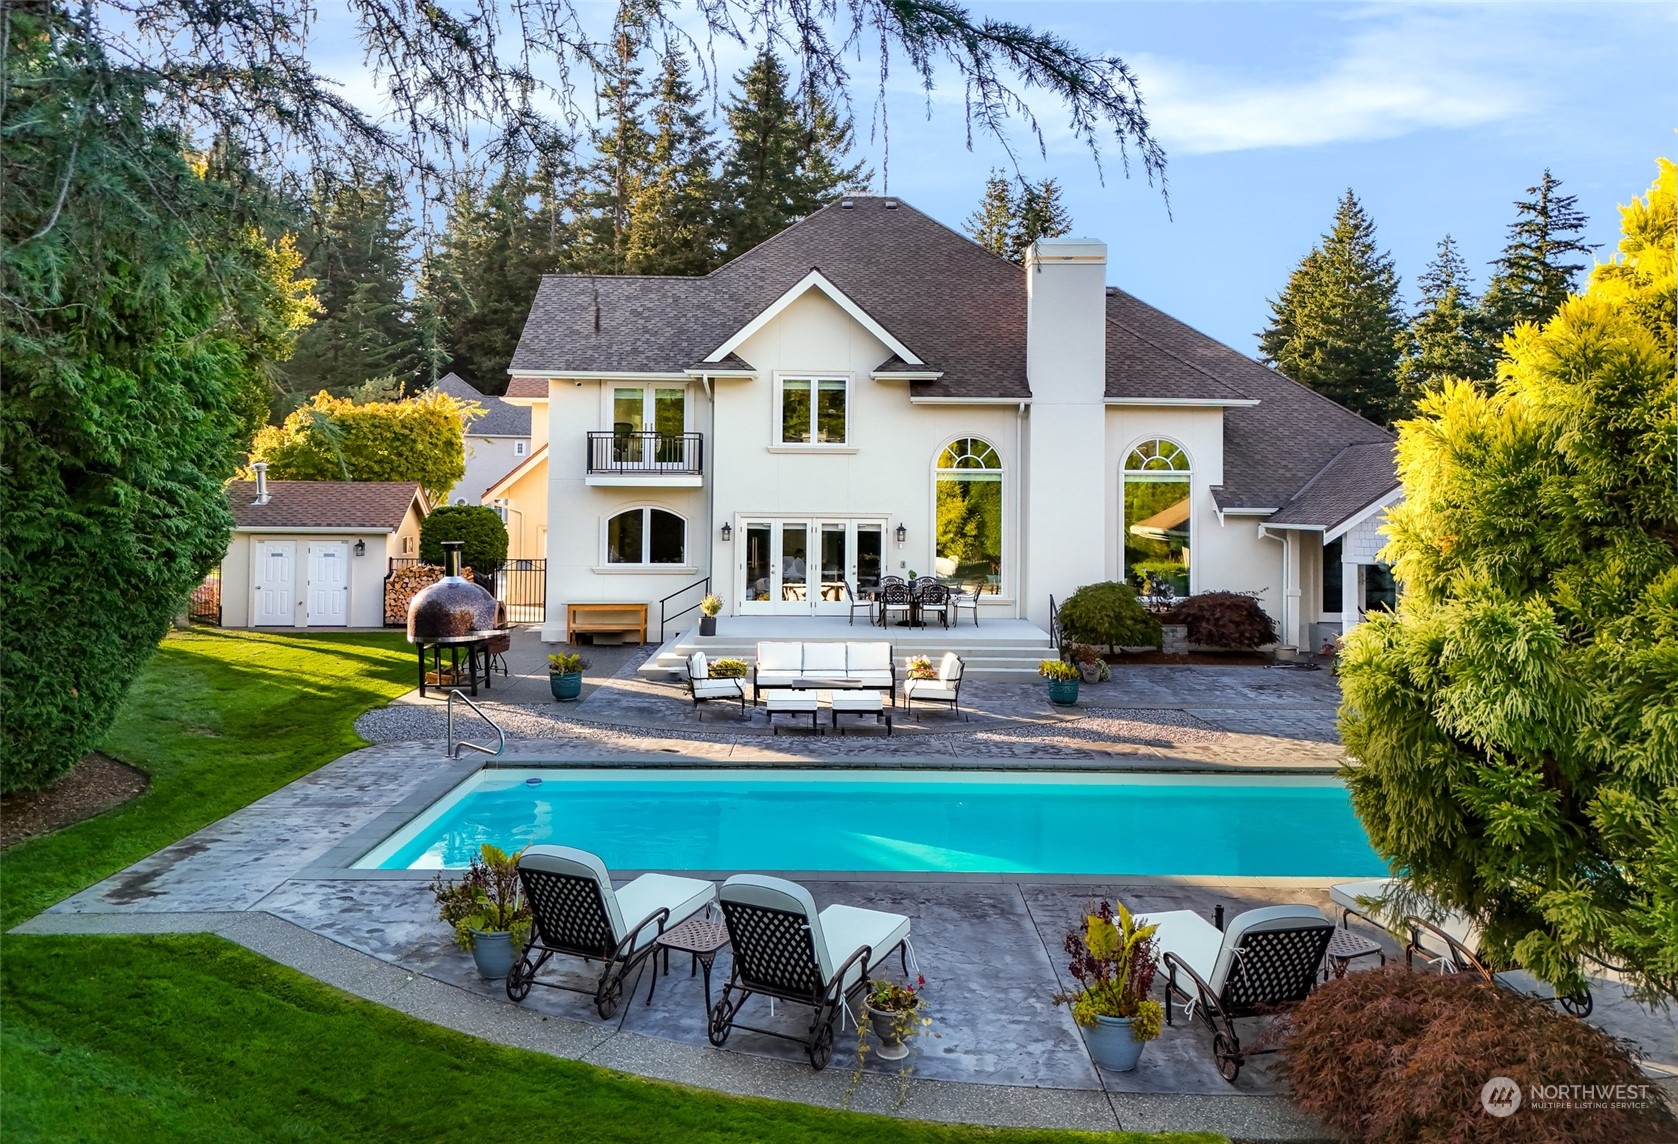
772	893
824	659
1367	899
698	668
929	689
714	688
949	668
866	657
1212	954
1392	914
780	657
849	928
683	897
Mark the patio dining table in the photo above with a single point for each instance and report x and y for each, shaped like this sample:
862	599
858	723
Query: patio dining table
874	592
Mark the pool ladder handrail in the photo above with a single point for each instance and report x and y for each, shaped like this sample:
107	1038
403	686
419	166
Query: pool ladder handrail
455	748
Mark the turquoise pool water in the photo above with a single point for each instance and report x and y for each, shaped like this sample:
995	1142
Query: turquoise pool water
729	820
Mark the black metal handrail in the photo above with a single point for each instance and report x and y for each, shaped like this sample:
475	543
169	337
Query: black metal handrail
665	615
628	451
1054	623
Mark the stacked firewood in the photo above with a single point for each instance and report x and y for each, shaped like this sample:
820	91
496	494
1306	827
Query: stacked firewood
404	583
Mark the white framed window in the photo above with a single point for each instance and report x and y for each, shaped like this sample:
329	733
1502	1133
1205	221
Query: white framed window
407	546
812	411
1158	517
520	448
967	500
646	536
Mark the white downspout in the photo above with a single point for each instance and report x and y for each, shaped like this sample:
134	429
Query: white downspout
1020	585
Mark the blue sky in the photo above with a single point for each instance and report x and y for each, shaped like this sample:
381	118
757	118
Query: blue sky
1438	116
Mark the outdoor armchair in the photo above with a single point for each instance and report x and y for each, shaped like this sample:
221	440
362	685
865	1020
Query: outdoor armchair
785	950
576	913
1264	961
702	688
945	688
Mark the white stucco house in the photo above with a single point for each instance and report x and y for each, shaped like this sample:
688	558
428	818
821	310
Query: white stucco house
314	554
496	441
870	391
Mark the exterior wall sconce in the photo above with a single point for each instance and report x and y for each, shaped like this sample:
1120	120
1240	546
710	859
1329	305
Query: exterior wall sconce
902	534
361	548
727	532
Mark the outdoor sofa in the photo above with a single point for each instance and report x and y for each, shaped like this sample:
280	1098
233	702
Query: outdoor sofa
785	950
1263	961
804	665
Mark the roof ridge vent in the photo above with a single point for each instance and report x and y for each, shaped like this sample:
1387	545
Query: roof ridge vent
891	204
846	204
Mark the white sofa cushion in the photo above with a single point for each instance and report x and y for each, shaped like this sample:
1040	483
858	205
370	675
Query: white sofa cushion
713	688
949	668
860	657
778	677
870	678
929	689
824	659
698	668
780	656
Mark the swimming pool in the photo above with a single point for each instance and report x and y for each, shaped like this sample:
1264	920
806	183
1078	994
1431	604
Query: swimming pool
946	822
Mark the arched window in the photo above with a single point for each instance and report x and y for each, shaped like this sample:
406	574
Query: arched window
968	491
646	536
1157	520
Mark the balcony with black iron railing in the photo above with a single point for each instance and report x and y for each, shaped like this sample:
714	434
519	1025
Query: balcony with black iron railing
646	458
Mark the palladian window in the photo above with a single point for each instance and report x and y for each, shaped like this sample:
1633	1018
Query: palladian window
968	490
645	536
1157	519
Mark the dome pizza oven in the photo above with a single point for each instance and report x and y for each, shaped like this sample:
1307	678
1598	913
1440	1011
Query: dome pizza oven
453	610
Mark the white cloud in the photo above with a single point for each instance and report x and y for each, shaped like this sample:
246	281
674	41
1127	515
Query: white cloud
1401	71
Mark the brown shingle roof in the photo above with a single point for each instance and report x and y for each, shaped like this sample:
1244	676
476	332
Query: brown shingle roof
1358	476
498	418
377	506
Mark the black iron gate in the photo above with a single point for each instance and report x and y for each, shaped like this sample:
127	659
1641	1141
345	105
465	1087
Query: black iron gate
522	585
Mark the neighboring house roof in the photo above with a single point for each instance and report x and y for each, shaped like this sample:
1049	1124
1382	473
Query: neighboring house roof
500	419
539	457
959	308
376	506
952	302
1357	477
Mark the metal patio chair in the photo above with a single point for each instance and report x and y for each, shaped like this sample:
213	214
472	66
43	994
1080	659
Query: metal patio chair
943	688
933	597
703	687
1266	960
576	913
786	951
896	597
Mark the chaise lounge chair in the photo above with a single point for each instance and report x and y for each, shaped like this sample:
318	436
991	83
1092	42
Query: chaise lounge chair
1264	961
576	913
1444	938
784	950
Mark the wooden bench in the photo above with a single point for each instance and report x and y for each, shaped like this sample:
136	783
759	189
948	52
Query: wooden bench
627	619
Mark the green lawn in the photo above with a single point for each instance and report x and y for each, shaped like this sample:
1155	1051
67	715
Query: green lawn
194	1038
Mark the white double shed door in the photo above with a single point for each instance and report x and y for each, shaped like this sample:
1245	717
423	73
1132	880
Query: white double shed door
324	593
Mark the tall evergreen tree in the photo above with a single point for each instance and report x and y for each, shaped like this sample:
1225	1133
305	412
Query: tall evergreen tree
1446	336
1540	266
785	157
482	273
357	250
673	216
622	149
1335	327
1011	216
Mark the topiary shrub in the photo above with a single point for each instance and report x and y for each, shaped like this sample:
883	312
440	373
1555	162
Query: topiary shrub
1396	1057
477	526
1108	614
1229	620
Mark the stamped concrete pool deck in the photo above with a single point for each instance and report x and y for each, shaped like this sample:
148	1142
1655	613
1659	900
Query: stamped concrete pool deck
274	877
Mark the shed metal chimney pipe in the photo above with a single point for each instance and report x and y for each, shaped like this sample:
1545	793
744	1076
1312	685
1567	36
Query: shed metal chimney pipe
260	468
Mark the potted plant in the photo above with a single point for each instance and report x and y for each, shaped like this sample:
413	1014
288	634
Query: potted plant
1114	961
486	910
565	674
1063	681
920	667
727	669
708	609
894	1016
1091	666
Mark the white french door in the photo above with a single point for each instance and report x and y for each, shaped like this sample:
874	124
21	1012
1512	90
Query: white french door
329	584
807	565
275	582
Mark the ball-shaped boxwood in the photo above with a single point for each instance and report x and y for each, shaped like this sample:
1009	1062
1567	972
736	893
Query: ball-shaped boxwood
478	527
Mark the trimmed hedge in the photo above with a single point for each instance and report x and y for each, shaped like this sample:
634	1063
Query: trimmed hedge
1108	614
477	526
1391	1056
1225	620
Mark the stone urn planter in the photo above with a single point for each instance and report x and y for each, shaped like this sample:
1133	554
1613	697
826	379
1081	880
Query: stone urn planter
1111	1044
494	954
892	1029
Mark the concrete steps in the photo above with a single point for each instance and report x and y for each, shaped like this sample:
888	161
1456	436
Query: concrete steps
1011	653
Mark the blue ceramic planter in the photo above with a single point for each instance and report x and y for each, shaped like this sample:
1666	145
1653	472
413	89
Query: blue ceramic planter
1063	692
1111	1045
567	686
